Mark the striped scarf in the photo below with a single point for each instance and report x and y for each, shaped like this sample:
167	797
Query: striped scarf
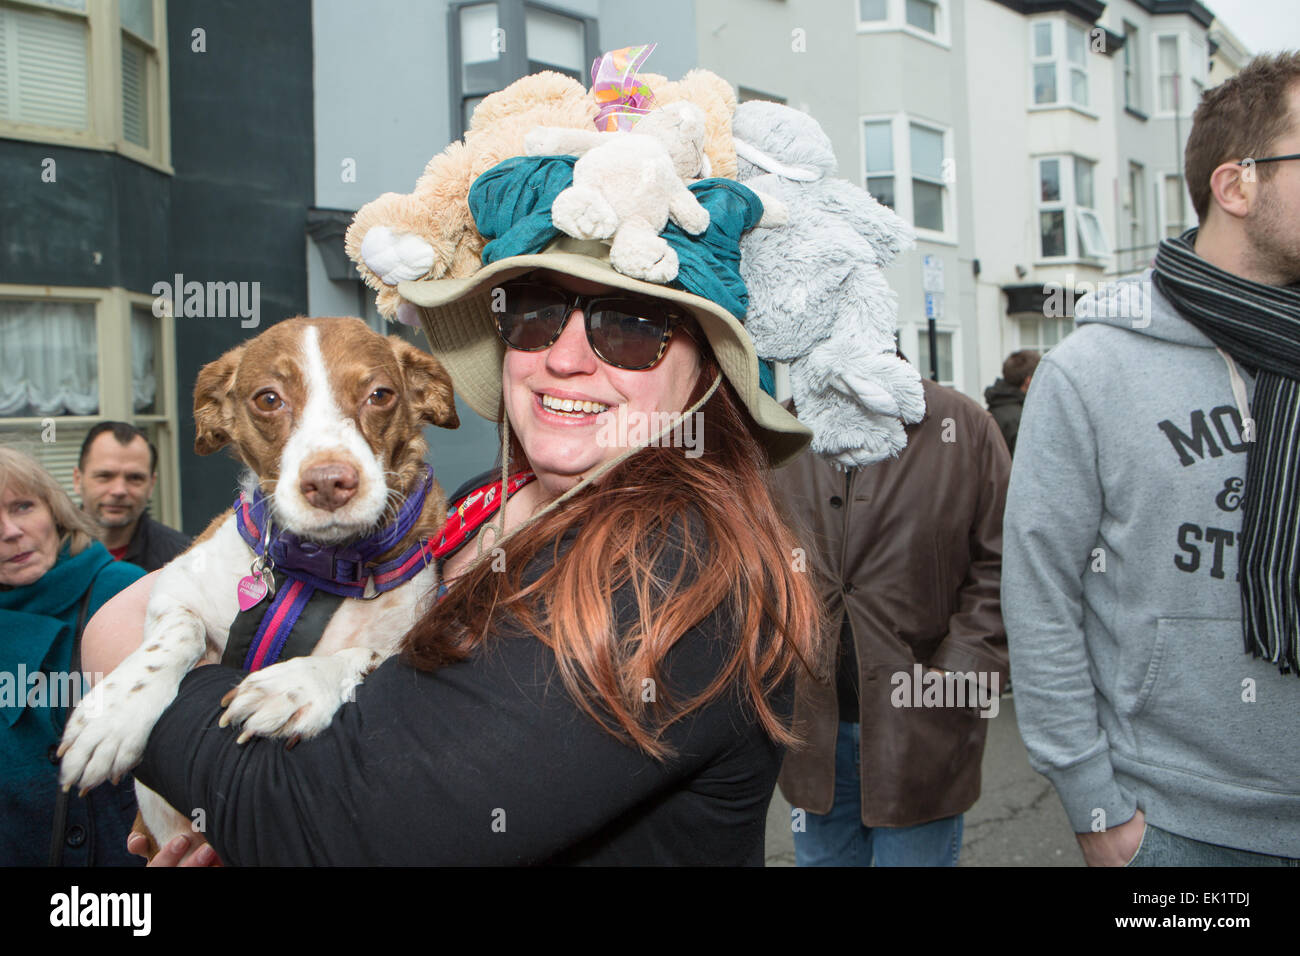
1258	326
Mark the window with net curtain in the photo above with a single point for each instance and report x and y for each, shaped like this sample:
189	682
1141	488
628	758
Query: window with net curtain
49	359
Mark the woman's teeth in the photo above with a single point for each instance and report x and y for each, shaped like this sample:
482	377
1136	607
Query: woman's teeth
572	407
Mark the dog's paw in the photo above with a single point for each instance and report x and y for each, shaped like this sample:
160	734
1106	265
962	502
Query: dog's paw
107	733
295	698
395	256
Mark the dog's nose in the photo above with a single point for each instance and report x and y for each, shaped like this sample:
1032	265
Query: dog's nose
329	486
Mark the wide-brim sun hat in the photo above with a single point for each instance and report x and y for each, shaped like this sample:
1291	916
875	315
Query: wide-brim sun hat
457	319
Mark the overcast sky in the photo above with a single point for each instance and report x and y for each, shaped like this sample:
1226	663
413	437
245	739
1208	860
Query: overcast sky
1265	26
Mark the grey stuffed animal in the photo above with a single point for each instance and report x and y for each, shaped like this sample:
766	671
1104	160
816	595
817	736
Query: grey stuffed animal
835	322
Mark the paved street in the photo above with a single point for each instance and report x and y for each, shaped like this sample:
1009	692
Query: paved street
1018	820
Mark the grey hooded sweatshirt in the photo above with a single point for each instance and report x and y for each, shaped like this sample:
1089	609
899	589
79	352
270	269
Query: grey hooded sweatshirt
1120	592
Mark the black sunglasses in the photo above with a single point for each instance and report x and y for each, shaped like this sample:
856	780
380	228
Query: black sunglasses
624	330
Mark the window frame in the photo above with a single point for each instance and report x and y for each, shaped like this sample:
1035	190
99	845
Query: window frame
105	125
1188	212
1132	67
1135	206
512	63
901	142
1191	79
113	338
945	326
1064	68
1076	215
895	21
1063	324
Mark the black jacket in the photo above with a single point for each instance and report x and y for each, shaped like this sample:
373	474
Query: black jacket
484	762
154	544
1005	403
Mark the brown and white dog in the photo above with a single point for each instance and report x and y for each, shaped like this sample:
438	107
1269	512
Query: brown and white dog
327	415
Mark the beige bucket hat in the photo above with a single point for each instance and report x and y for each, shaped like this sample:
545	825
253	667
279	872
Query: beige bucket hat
457	319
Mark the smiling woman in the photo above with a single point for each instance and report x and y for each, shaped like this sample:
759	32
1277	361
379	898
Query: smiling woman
608	674
654	589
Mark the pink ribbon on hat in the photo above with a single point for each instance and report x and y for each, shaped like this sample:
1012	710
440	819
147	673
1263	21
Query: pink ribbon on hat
622	96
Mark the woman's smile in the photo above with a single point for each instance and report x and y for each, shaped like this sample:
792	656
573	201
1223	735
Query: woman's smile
570	407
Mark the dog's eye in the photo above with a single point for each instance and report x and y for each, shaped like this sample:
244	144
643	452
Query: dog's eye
381	397
268	401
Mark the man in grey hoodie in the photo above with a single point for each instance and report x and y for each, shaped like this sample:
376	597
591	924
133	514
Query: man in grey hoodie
1152	557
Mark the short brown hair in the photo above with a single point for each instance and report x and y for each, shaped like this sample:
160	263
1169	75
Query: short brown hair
1019	366
23	474
125	433
1241	117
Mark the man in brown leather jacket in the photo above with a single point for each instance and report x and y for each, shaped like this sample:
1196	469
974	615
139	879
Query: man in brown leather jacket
908	559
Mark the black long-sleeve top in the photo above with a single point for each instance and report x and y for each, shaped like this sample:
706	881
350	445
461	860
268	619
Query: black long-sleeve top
484	762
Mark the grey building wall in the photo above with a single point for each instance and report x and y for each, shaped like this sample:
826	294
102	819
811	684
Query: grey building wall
104	221
241	129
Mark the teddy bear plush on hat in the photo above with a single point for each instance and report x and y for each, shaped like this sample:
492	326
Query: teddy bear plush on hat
430	234
817	293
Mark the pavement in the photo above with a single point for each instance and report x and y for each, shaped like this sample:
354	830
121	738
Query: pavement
1017	821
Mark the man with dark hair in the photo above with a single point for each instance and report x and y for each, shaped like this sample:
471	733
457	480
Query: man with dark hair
1150	577
115	475
1005	398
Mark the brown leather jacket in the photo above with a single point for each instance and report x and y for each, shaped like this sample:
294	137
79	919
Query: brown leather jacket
912	548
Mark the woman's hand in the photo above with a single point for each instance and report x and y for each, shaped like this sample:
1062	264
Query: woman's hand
182	851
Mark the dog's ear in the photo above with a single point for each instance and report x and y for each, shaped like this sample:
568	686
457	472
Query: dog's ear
212	390
432	398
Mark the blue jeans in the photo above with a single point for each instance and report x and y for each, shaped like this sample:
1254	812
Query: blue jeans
838	838
1162	848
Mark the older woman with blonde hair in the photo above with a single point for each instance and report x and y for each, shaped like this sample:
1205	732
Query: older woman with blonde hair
54	574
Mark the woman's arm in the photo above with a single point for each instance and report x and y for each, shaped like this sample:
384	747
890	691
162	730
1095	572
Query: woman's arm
484	762
117	628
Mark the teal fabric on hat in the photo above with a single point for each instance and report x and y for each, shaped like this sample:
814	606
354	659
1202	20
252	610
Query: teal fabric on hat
511	206
709	264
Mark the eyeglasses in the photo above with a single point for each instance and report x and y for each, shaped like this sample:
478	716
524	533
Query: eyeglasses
1267	159
626	331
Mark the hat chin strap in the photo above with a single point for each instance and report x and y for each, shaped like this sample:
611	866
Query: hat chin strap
582	483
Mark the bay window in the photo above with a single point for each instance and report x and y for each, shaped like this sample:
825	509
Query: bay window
1058	63
1068	225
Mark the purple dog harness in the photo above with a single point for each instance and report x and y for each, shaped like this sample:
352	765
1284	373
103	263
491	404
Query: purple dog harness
300	570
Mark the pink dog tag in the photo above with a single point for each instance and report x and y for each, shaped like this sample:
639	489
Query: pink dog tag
252	589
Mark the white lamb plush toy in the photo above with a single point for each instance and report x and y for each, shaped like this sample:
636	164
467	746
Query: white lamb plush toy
626	186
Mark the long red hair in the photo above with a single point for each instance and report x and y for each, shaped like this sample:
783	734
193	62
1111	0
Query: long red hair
737	549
